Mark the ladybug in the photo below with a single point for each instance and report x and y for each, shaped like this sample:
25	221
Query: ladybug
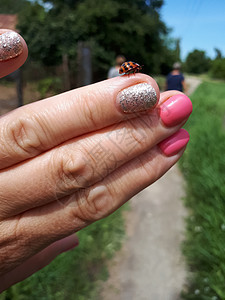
129	67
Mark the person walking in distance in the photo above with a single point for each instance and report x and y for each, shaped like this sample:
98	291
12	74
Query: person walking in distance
114	71
175	79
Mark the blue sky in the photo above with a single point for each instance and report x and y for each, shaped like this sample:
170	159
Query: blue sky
199	23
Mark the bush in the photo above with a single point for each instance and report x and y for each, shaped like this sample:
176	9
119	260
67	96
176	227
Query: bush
52	85
218	68
197	62
204	167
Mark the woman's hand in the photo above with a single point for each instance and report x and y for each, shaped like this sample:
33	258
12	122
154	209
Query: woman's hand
74	158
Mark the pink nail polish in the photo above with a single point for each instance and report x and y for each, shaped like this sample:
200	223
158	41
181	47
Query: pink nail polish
173	144
175	110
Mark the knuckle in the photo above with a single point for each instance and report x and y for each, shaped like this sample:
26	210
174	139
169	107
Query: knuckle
151	170
92	113
12	243
73	171
146	166
138	136
24	136
94	204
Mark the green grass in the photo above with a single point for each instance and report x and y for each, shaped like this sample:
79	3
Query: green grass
75	275
161	81
203	165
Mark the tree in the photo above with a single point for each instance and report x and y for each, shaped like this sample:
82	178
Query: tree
11	6
130	27
169	55
218	68
218	53
177	49
197	62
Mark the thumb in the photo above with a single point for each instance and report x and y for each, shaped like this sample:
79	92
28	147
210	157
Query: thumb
38	261
13	51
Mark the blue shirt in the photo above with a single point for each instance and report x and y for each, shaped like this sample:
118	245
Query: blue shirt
174	82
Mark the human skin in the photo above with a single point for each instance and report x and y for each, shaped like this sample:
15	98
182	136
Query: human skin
72	159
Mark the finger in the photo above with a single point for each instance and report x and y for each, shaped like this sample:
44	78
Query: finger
37	226
13	51
105	197
174	108
80	164
35	128
38	261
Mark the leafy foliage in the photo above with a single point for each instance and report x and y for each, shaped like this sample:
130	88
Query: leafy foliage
48	85
131	27
219	54
218	68
40	33
204	168
11	6
197	62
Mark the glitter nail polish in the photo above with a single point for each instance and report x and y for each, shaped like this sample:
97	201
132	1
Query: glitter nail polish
10	45
136	98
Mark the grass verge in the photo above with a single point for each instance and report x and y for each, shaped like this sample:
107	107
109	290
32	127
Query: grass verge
75	275
203	165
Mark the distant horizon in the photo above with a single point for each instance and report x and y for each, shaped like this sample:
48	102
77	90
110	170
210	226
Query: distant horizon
199	24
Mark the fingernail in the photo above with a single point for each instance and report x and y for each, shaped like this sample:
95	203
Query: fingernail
136	98
175	110
69	243
10	45
173	144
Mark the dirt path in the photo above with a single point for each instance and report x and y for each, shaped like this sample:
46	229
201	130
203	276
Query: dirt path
150	265
192	83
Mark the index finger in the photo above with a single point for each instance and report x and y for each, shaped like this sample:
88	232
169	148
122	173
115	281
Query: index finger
38	127
13	51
